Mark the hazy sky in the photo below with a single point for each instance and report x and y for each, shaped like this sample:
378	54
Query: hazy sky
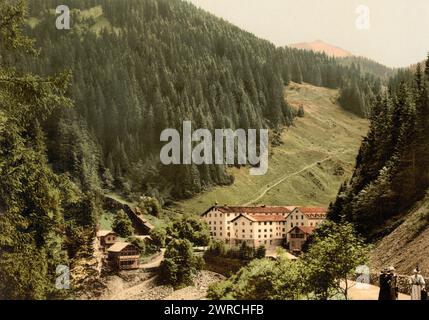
397	34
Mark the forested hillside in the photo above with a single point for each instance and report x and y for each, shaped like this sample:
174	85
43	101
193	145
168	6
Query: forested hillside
141	66
45	219
391	171
366	65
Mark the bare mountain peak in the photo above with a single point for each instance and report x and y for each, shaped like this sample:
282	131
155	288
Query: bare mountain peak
321	46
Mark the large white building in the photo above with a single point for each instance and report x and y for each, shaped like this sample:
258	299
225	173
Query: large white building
262	225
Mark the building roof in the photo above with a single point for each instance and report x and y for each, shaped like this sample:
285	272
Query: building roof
312	209
103	233
306	230
251	209
261	218
313	212
119	246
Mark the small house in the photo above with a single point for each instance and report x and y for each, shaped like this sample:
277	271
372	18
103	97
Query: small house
124	256
106	238
298	236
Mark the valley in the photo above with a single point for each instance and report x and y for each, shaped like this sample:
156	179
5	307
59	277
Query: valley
318	153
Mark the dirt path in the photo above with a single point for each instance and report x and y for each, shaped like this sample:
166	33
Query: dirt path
368	292
155	263
287	176
121	293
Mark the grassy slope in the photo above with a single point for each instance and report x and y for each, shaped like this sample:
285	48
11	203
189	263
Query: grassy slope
408	245
327	134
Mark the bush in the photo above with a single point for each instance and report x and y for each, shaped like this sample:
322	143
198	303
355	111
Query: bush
158	236
122	224
180	264
140	244
190	228
149	205
260	252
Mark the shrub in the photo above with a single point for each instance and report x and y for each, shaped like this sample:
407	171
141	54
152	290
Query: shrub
122	224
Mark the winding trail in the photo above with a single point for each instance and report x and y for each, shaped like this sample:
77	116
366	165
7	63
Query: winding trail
155	263
287	176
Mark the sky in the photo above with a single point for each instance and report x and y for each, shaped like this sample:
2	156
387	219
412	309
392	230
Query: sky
392	32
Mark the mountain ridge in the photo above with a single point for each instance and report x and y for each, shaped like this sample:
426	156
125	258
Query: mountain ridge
322	47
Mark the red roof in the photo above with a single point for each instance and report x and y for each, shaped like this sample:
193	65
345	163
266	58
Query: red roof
262	218
306	230
312	209
313	212
252	210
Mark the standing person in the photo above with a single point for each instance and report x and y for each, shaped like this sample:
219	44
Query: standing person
393	284
418	285
384	286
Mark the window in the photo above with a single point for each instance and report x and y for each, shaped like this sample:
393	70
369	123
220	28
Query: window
214	233
210	215
243	231
291	224
236	224
259	236
302	223
243	223
265	223
259	230
215	215
210	222
214	222
220	228
214	228
265	235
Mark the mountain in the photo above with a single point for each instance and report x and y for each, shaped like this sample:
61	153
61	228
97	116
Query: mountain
323	47
407	246
141	66
366	65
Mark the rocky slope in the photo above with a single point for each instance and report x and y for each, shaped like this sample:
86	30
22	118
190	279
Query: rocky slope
407	246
